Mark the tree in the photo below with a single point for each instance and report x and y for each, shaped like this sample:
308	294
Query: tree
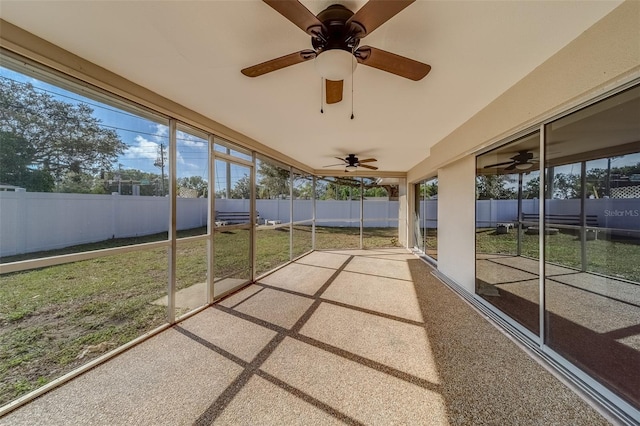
304	191
273	181
242	189
80	183
59	137
16	157
348	188
429	190
495	187
531	189
376	191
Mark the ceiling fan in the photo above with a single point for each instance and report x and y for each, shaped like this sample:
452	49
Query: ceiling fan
351	163
335	36
523	160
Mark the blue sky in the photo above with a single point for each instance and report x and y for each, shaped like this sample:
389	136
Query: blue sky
142	136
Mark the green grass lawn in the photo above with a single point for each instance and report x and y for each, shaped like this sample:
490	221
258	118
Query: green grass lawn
55	319
616	258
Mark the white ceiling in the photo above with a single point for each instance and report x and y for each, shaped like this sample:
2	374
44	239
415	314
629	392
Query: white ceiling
192	52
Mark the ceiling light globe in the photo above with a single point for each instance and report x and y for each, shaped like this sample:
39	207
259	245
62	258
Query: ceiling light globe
524	166
335	64
350	168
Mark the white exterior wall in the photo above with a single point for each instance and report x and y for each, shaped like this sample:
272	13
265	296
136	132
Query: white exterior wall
456	219
601	59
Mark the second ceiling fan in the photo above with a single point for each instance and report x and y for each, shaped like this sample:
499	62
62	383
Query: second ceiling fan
523	160
335	37
351	162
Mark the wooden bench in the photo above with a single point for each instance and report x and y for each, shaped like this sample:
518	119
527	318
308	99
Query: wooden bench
229	218
561	219
532	220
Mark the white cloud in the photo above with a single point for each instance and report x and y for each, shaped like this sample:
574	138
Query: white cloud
191	141
144	148
194	144
161	133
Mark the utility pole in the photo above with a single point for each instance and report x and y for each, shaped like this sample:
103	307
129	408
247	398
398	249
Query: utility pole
160	163
119	178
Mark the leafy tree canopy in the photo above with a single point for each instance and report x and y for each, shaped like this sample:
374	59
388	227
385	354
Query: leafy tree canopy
495	187
57	137
273	181
241	190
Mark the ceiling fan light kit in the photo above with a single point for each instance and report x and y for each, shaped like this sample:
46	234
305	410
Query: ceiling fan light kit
335	36
524	166
335	64
351	163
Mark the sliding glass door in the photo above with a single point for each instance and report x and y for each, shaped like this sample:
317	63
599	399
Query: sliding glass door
592	241
234	223
581	305
426	217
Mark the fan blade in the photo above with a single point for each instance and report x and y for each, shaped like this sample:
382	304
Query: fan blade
341	159
498	164
333	165
376	12
511	167
279	63
295	12
367	160
334	91
366	166
390	62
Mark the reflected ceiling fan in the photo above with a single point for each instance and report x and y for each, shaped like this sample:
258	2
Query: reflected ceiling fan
523	160
335	36
351	163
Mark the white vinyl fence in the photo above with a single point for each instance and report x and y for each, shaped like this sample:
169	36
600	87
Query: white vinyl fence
614	213
35	221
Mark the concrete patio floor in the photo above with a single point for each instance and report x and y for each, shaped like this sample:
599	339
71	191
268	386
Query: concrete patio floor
353	336
590	318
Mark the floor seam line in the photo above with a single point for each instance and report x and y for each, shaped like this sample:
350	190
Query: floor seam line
372	312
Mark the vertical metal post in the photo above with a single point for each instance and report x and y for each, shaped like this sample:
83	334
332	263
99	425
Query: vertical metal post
290	213
361	213
583	215
425	220
211	224
519	228
313	214
228	176
541	235
418	217
252	205
171	287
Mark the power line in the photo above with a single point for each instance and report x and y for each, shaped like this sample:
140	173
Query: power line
104	107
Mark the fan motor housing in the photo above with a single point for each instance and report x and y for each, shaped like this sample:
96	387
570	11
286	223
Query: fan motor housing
337	34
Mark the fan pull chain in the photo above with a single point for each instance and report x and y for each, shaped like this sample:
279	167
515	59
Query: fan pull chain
321	95
352	116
